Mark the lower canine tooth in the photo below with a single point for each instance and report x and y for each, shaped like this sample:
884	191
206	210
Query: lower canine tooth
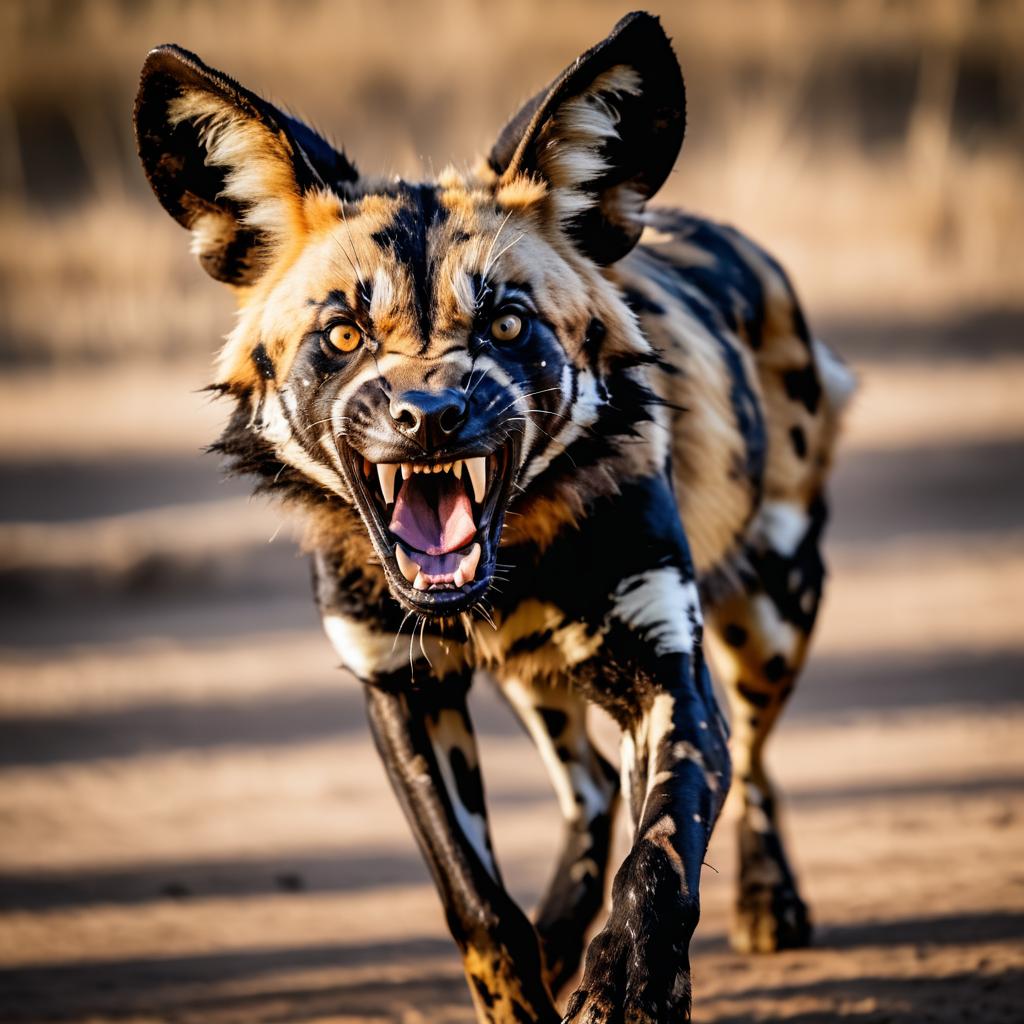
466	571
410	570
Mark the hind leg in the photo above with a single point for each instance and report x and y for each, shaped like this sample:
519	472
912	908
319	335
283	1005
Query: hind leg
587	787
761	632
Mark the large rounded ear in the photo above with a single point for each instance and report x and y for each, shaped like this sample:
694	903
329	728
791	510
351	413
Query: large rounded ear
226	164
603	137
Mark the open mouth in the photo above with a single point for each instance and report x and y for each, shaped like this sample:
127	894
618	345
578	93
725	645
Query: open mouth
436	524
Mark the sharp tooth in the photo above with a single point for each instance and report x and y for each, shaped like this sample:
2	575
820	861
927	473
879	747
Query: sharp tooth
367	468
466	571
477	469
419	583
386	473
410	570
406	471
457	469
447	467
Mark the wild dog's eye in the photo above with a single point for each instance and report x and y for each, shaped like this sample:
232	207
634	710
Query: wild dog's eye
343	337
506	328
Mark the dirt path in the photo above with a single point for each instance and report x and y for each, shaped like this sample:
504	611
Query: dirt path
193	826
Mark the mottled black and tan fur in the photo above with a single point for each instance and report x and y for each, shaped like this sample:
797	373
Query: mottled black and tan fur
628	428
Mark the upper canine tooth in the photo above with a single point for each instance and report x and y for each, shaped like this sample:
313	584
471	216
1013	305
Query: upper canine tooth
477	469
386	473
406	470
410	570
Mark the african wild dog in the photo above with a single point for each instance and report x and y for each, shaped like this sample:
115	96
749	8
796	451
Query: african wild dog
539	446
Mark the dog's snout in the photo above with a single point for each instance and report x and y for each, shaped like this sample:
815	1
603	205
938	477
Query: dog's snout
429	417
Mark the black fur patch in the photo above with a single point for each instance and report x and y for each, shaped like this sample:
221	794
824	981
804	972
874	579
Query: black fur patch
406	238
759	700
798	439
555	721
734	635
263	363
802	386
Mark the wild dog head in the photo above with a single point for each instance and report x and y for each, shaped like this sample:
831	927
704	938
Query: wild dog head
423	352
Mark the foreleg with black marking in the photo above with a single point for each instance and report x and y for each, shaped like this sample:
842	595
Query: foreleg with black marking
587	788
676	772
426	742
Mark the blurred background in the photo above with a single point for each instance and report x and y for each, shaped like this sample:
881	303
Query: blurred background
192	823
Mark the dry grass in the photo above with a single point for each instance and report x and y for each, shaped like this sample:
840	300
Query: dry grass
917	219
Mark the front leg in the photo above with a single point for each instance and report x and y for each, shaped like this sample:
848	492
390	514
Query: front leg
425	739
676	775
587	787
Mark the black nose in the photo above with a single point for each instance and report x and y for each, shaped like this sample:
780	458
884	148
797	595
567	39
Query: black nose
429	417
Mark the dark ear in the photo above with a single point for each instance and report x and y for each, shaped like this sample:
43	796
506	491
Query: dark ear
226	164
603	136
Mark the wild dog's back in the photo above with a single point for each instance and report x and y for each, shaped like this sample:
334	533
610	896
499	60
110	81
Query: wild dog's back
755	400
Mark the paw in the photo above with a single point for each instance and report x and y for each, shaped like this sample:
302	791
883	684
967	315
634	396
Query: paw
770	919
592	1006
623	985
606	1006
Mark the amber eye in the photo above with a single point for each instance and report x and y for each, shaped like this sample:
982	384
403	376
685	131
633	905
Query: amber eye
344	337
506	328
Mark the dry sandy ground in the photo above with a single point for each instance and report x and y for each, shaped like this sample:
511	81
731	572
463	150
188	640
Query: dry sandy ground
193	826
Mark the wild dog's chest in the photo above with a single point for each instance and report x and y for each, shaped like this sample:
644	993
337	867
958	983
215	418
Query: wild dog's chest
619	589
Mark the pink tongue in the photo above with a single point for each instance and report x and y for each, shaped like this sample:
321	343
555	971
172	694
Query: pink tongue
433	514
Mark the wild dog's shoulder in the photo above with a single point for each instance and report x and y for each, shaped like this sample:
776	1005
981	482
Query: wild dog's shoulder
618	589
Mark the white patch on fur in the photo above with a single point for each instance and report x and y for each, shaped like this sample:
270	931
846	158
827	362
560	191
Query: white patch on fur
571	146
364	651
651	731
259	171
383	297
462	289
274	427
627	766
771	625
583	415
837	378
782	525
662	607
211	231
450	733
